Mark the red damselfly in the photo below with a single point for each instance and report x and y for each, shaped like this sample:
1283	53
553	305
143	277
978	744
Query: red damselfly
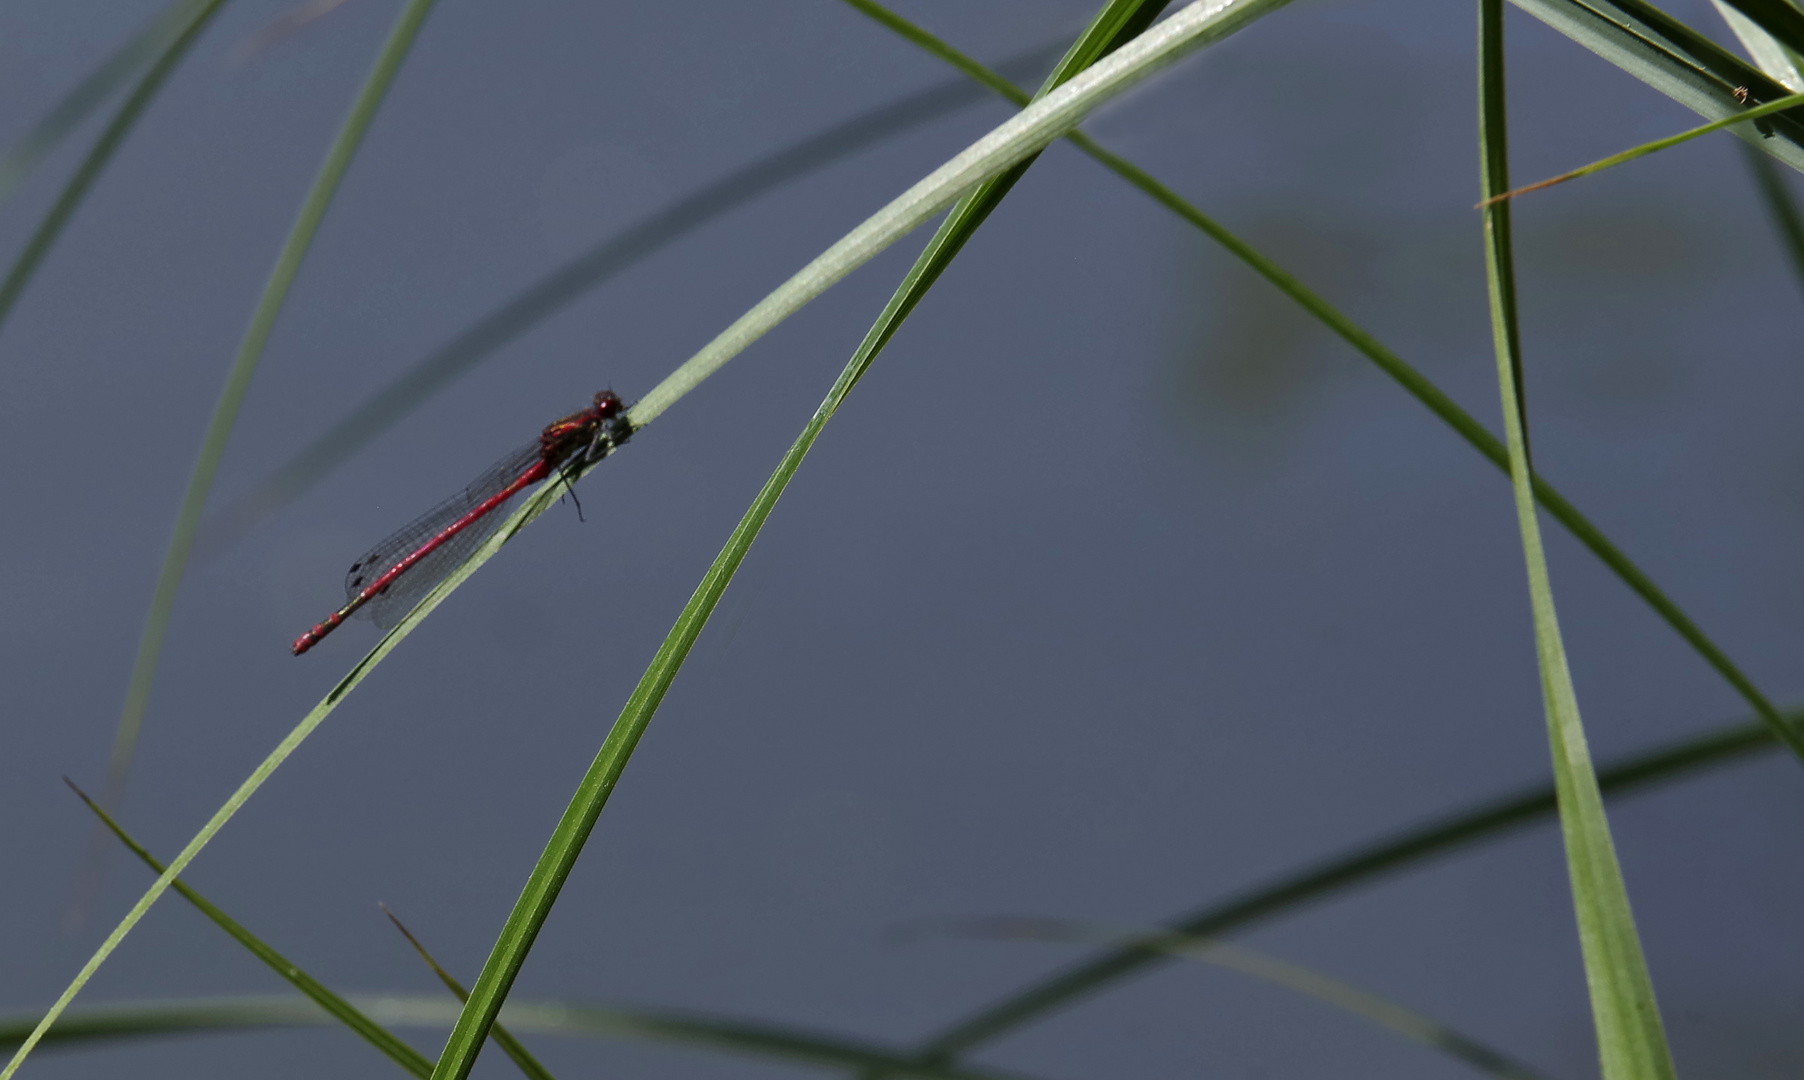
386	583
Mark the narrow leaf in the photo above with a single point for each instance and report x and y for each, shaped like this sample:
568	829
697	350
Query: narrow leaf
346	1013
1382	1011
1645	149
1360	866
512	1047
560	854
338	158
237	384
98	157
1631	1041
67	115
576	278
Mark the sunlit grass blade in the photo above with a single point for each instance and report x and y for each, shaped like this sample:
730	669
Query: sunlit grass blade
1675	60
1016	139
1189	29
402	1054
512	1047
1779	19
750	1040
1382	1011
553	292
338	158
1361	866
66	115
1648	148
44	237
1452	834
561	852
1630	1038
237	383
1418	386
1768	55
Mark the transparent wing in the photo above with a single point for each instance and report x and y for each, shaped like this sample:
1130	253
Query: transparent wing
393	603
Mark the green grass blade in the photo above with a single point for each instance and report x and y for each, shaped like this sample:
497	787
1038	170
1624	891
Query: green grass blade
1631	1040
1675	60
560	854
553	292
1406	376
1453	834
402	1054
1645	149
1189	29
1768	55
749	1039
512	1047
1020	136
169	577
237	383
66	115
1382	1011
97	159
1362	865
1783	22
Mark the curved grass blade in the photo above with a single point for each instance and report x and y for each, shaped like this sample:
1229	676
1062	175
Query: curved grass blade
77	104
1779	19
1418	386
753	1040
1630	1038
1487	821
237	383
512	1047
565	846
1675	60
1195	26
1768	55
1382	1011
1455	832
338	158
340	1009
551	293
99	156
1645	149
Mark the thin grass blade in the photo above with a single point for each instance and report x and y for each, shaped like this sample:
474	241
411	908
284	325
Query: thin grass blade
576	278
1645	149
585	807
237	383
512	1047
1362	865
1675	60
749	1039
1631	1040
1768	55
338	158
99	156
337	1007
67	115
1382	1011
1779	19
1188	30
1418	386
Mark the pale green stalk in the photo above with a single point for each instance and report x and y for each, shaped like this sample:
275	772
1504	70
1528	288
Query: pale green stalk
1202	22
